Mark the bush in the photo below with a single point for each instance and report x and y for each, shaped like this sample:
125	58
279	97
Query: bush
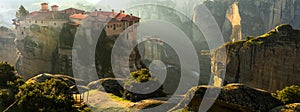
6	74
288	95
142	75
9	84
51	95
134	83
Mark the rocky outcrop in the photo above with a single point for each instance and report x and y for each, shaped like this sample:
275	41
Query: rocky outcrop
232	98
69	80
8	50
257	16
123	88
109	85
287	108
269	62
36	49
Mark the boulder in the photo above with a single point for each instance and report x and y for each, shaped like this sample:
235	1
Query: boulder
109	85
232	98
69	80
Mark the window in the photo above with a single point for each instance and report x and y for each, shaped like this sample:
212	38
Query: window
22	33
42	22
35	21
24	28
54	24
114	26
29	21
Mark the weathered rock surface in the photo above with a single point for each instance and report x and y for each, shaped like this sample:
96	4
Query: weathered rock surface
121	88
269	62
109	85
232	98
8	50
287	108
69	80
257	16
36	51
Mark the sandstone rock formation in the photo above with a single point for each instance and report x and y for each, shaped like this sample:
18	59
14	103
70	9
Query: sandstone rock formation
69	80
257	16
232	98
122	88
36	50
8	50
269	62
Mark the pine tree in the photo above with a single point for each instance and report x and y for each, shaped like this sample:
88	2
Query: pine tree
22	12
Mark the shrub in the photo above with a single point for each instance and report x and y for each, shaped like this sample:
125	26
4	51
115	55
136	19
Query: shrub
9	84
288	95
51	95
6	73
135	83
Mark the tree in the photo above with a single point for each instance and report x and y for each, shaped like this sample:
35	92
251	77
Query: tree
22	12
9	84
50	96
288	95
6	73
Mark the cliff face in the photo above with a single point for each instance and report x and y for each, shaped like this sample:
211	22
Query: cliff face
7	47
268	62
36	50
257	16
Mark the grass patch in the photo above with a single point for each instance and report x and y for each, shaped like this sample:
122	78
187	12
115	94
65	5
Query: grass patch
118	99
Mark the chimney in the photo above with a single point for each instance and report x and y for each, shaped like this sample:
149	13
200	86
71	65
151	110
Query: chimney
100	9
96	12
54	8
44	7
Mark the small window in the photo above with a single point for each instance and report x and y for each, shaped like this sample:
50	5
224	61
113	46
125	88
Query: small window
42	22
35	21
54	24
24	28
22	33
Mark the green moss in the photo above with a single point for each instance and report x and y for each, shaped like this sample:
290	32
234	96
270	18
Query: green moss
118	99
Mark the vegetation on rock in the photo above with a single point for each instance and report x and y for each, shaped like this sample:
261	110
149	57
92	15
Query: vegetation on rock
9	83
135	83
51	95
290	94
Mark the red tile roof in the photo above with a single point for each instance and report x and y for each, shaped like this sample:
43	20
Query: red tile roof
114	15
78	16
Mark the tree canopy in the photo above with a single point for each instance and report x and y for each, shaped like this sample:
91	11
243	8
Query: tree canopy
290	94
22	12
51	95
